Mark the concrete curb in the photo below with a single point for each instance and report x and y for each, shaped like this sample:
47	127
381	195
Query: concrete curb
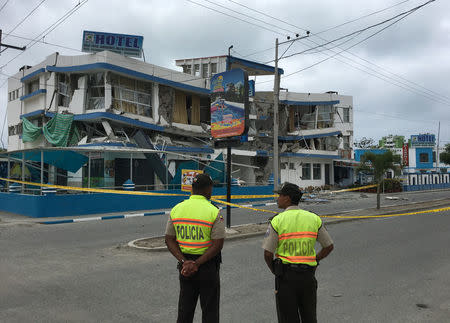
400	209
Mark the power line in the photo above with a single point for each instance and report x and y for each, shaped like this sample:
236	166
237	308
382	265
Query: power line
326	49
23	20
43	42
245	15
224	13
365	60
50	28
362	17
6	2
405	13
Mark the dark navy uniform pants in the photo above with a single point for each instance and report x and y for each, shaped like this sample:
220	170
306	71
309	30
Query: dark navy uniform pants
206	284
296	296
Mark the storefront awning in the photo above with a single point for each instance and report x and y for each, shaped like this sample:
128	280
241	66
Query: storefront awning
63	159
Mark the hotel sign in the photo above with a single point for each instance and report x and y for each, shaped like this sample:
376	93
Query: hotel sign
127	45
426	140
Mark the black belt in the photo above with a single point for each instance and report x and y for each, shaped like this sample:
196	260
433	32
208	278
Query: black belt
299	267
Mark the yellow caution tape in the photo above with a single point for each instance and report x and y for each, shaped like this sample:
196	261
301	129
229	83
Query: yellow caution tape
94	190
354	189
245	196
384	215
242	206
215	199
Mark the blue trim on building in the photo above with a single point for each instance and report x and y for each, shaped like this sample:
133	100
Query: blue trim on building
32	114
56	205
263	153
109	144
206	150
100	115
429	152
410	188
252	64
310	155
123	70
31	75
309	103
113	117
290	138
37	92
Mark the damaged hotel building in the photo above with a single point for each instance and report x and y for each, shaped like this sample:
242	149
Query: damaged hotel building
117	110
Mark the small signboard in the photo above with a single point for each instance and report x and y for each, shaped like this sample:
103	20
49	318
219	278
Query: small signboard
187	177
229	104
405	155
127	45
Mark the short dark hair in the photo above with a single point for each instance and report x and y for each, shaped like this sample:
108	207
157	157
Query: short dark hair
291	190
201	182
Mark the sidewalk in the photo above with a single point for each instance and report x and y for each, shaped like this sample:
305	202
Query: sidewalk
257	229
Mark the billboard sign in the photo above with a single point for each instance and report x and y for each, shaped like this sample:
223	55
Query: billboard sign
187	177
127	45
229	103
405	155
425	140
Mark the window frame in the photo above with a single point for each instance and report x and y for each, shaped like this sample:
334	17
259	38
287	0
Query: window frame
307	176
314	171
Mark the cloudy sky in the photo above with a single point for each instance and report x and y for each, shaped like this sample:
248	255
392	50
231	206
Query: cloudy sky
399	78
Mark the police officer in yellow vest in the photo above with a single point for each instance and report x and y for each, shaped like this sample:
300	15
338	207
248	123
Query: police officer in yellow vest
291	237
194	235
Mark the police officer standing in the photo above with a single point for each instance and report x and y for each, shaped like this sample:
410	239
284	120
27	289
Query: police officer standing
194	235
291	237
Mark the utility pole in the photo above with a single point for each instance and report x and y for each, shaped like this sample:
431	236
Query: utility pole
276	101
9	46
229	158
437	150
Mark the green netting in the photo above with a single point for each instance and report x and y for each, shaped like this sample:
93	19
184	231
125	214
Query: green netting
74	136
57	130
30	131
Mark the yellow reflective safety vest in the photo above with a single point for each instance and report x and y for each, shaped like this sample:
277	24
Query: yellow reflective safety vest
297	235
193	220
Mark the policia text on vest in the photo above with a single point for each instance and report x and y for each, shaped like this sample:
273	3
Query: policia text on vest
290	239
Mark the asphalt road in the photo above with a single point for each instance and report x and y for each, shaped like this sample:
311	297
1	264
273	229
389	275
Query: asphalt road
379	272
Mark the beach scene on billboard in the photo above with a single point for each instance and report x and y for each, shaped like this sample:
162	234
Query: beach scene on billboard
229	92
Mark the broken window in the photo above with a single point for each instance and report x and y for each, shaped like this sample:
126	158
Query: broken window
205	110
186	109
132	96
96	91
63	90
32	86
324	116
302	118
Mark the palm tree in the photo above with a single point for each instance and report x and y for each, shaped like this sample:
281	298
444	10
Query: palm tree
378	164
